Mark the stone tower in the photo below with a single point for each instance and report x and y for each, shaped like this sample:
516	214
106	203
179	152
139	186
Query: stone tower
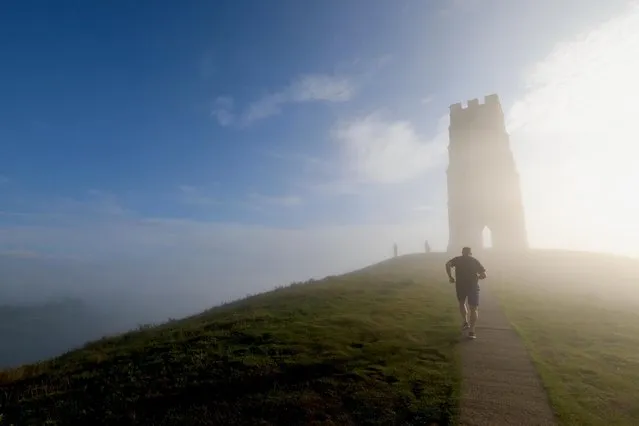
483	183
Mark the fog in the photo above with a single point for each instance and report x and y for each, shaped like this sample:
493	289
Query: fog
123	275
146	272
132	281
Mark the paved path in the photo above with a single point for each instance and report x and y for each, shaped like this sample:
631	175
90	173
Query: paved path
500	386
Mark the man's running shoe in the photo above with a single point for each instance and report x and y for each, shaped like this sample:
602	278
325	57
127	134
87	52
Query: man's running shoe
472	335
465	326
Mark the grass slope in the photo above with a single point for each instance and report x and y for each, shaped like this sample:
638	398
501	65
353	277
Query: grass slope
374	347
579	317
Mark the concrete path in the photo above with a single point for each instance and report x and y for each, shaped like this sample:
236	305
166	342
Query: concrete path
500	385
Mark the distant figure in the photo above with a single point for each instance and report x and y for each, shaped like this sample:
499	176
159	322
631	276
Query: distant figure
468	272
426	247
395	250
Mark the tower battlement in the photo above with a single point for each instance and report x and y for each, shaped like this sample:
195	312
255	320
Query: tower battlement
473	105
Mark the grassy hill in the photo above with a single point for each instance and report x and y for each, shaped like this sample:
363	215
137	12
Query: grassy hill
371	347
377	346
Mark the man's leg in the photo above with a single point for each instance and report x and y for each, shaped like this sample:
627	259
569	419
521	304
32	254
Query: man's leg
473	304
464	312
474	314
461	298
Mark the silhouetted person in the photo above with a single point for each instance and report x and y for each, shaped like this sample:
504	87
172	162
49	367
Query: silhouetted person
468	272
426	247
395	250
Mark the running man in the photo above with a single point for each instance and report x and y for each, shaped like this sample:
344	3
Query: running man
468	272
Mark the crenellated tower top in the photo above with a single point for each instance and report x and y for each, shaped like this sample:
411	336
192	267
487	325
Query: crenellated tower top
484	114
473	108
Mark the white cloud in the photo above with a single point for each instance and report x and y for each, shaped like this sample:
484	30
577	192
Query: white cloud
373	152
320	87
261	200
264	107
223	110
377	150
304	89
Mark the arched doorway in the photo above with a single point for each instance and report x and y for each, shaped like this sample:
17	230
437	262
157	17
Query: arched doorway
487	238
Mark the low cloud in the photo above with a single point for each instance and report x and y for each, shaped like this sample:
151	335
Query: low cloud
192	265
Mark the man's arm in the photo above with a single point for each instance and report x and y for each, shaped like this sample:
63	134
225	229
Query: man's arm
450	264
481	271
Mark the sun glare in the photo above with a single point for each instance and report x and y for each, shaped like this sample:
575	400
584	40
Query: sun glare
575	135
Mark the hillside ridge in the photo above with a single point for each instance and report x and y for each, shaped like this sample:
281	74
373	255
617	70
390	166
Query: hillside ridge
374	346
363	348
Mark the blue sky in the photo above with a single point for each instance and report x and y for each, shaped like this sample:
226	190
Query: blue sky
215	115
117	97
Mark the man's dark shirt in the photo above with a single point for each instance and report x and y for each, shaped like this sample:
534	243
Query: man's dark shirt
466	269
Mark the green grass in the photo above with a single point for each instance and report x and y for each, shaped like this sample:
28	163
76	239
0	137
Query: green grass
375	347
581	327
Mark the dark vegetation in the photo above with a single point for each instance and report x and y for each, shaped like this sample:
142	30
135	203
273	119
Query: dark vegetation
374	347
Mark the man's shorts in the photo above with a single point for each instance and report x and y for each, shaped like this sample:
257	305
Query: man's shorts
468	291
